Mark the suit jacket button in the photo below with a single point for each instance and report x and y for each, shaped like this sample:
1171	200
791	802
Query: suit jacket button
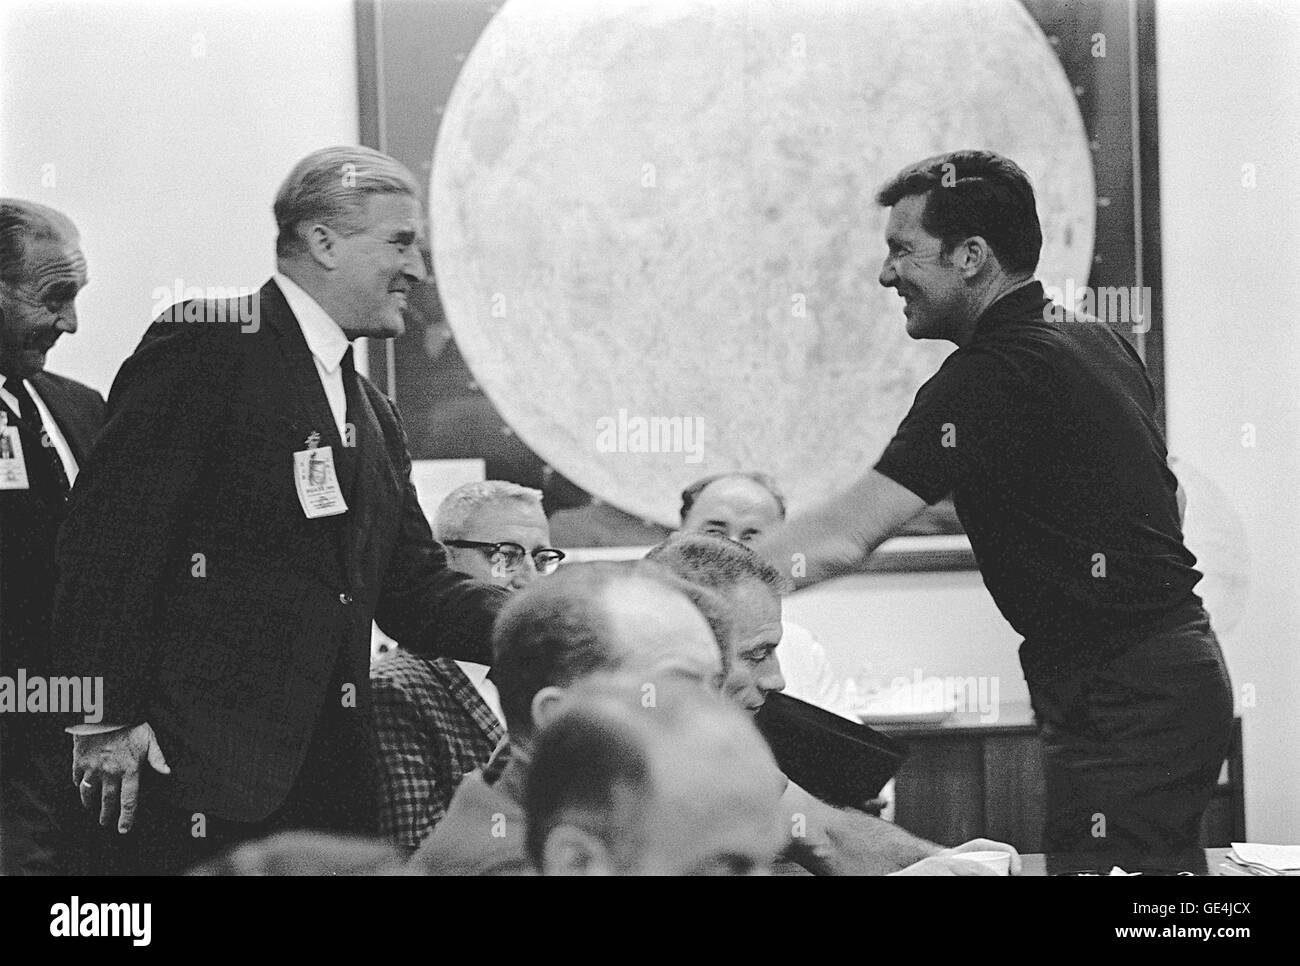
345	599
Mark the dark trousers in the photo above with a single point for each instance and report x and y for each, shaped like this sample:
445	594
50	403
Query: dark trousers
35	767
1133	744
334	791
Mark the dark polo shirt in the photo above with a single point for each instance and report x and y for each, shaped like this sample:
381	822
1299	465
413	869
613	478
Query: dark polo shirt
1043	429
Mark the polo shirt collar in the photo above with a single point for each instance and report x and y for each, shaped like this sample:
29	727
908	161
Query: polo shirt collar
1026	300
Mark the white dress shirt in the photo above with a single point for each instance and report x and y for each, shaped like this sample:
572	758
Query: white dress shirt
478	676
807	670
327	344
47	423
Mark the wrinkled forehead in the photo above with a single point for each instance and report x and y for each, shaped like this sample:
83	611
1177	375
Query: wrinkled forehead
47	261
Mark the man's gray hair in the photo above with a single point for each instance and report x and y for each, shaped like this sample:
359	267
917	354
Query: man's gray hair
23	222
716	563
452	518
330	187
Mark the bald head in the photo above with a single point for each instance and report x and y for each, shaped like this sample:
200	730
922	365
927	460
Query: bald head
41	272
739	506
597	617
653	779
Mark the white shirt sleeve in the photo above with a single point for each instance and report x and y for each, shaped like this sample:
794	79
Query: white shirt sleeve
806	669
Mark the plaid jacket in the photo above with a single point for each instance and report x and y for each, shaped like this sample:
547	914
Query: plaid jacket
433	729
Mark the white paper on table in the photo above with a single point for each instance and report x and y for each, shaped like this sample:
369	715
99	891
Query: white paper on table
1280	858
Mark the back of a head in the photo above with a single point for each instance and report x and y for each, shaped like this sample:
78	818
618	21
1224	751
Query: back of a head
621	748
972	193
23	223
330	186
716	563
563	628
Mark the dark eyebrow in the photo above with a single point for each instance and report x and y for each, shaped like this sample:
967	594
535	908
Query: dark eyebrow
405	236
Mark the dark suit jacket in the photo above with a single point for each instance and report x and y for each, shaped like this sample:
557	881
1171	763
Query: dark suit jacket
193	582
29	522
33	757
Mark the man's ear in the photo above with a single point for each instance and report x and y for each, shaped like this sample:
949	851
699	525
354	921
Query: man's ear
972	255
571	851
545	704
322	243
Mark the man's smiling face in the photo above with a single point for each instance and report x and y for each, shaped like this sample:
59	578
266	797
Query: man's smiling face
40	306
932	288
378	266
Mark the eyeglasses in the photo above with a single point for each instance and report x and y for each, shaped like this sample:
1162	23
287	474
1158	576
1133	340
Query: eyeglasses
510	555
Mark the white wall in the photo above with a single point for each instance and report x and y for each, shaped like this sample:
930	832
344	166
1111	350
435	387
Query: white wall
169	161
1229	97
169	127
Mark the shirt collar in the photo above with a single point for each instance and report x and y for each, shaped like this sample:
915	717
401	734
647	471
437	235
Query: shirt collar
323	336
12	399
1025	300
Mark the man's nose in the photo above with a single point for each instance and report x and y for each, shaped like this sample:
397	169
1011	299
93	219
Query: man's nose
66	320
524	574
888	277
414	267
773	680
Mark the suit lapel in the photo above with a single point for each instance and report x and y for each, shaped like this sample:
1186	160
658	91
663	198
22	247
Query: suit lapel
76	426
307	405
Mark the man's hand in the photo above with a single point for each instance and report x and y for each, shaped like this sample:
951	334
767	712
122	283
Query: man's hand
946	863
987	845
110	761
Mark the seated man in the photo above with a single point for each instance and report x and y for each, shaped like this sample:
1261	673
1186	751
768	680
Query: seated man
436	719
681	785
630	617
834	841
637	618
741	506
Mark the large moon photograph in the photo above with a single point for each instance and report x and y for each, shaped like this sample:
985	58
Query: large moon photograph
664	209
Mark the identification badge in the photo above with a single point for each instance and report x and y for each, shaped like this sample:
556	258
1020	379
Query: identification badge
316	481
13	468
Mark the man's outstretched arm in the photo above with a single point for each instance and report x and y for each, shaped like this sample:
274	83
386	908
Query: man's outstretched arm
836	841
832	841
836	536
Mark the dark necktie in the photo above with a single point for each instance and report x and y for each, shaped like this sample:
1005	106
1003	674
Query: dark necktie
348	457
44	468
